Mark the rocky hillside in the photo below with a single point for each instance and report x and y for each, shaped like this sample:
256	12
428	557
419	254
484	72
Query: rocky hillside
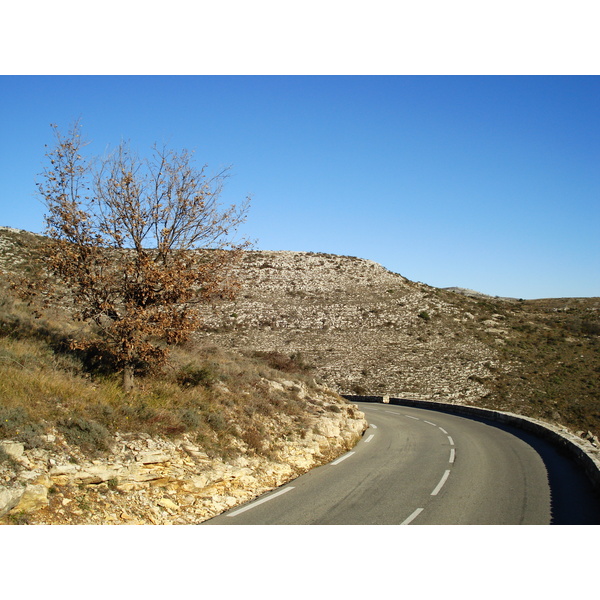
368	330
365	329
209	430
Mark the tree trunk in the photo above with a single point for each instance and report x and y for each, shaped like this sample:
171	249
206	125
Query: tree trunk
128	378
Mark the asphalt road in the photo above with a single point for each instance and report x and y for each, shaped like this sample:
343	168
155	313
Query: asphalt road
418	467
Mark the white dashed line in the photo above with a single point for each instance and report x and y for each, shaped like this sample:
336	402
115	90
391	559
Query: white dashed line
369	438
451	441
411	417
429	423
374	426
438	487
443	430
412	517
245	508
341	458
452	455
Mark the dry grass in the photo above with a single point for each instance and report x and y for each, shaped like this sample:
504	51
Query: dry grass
221	398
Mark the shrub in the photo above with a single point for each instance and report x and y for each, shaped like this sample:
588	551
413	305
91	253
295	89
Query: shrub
192	376
87	434
11	419
216	421
18	518
590	328
190	418
288	364
253	439
359	390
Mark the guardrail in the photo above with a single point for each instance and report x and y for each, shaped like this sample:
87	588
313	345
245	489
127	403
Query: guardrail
573	446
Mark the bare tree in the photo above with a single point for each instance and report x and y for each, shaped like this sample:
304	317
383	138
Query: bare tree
140	243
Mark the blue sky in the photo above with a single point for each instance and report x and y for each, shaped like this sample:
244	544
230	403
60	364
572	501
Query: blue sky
485	182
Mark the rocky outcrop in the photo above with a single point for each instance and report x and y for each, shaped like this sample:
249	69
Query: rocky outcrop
148	480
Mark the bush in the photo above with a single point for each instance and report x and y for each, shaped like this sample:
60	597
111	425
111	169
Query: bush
89	435
359	389
253	439
190	418
590	328
11	419
288	364
216	421
192	376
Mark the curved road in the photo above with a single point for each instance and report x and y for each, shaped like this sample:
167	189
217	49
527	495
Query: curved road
416	466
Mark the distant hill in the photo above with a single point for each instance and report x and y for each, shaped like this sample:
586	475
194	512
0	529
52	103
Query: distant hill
472	293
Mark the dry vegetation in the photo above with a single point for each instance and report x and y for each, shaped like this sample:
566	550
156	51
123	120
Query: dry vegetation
224	399
553	346
361	328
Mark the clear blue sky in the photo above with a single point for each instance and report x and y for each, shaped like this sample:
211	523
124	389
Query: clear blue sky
490	183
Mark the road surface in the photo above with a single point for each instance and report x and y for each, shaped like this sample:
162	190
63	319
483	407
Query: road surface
416	467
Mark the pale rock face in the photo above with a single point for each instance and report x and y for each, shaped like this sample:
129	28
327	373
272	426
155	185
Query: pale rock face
328	428
13	449
67	469
9	498
149	458
34	498
161	481
97	474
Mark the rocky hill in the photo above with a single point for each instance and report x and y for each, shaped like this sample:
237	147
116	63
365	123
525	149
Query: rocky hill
204	433
365	329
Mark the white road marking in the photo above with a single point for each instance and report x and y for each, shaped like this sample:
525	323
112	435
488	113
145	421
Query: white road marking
430	423
341	458
245	508
443	430
374	426
412	517
451	441
369	438
452	455
411	417
438	487
392	412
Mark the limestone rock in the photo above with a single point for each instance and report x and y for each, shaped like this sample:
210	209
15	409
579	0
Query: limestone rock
157	480
168	504
9	498
149	458
198	482
96	474
13	449
328	428
34	498
68	469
